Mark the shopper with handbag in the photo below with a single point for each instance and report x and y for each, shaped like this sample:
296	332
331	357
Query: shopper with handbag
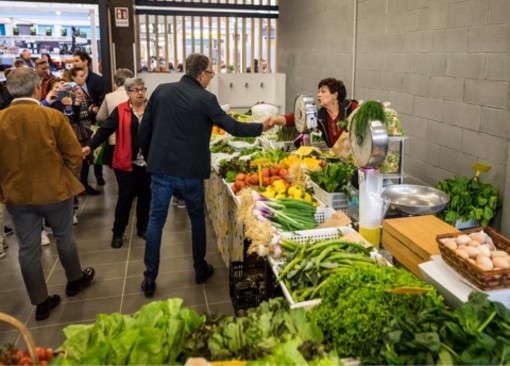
81	122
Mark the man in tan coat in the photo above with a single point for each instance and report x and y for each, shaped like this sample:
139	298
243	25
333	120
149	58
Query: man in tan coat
40	161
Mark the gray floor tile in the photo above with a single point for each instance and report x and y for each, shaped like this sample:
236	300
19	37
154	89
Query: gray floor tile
9	337
51	336
103	272
192	296
217	293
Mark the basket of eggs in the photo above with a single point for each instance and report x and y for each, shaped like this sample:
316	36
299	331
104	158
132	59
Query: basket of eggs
481	255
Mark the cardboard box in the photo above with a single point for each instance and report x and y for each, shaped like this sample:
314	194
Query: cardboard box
412	240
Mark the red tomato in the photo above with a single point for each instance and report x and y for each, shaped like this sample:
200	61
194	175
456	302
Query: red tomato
41	353
25	361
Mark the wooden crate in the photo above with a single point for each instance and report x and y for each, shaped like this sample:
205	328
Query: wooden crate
412	240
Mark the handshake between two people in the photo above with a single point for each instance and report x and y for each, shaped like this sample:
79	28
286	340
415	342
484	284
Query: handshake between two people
272	121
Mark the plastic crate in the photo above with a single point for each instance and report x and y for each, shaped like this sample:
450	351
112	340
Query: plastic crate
337	201
302	236
250	283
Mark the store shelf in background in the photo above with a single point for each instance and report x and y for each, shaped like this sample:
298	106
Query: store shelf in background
27	38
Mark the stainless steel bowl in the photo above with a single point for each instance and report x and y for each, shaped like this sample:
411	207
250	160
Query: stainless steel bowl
415	200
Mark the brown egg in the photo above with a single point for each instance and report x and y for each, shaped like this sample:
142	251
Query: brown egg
450	244
501	263
473	243
478	237
462	253
499	253
484	250
462	239
484	260
472	251
483	267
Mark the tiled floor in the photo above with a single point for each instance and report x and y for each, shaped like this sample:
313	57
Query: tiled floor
119	273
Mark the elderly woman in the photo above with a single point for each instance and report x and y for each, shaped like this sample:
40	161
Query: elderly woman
128	162
335	108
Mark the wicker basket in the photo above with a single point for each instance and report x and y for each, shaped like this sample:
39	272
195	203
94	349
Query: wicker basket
485	280
25	333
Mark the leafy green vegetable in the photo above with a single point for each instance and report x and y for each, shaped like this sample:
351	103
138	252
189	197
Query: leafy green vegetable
334	177
476	333
274	155
356	311
229	168
249	140
156	334
221	146
469	199
271	334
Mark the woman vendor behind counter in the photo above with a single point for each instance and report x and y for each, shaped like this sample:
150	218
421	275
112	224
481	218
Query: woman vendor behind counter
335	109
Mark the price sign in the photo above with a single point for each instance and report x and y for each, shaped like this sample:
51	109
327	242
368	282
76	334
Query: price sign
121	17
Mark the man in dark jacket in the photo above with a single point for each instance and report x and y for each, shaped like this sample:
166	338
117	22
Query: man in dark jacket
174	137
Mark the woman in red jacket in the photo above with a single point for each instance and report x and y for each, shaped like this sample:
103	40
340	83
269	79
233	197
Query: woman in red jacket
331	117
128	162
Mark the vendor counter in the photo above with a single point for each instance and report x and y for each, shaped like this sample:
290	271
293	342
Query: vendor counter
222	211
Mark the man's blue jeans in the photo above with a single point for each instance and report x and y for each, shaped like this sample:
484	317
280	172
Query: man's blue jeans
192	191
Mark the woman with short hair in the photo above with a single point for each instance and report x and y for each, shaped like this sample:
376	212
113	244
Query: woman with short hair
128	163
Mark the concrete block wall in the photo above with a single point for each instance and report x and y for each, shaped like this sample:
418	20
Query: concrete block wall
443	64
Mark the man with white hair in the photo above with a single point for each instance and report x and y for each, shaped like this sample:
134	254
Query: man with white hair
38	181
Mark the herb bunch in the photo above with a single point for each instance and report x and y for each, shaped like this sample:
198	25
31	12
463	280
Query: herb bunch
369	111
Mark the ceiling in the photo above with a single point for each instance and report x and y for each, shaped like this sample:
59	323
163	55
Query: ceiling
46	13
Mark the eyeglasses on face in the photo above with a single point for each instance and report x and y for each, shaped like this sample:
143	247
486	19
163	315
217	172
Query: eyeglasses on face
138	90
210	73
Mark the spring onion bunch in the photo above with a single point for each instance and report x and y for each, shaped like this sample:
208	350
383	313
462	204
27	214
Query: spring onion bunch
286	214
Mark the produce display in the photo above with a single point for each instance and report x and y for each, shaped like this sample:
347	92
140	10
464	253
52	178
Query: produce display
334	177
476	333
469	199
10	355
391	164
271	334
163	332
309	266
156	334
356	308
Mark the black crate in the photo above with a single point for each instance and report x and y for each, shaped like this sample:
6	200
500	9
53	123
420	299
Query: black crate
250	283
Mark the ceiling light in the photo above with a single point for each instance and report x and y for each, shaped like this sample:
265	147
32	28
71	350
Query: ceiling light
58	12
